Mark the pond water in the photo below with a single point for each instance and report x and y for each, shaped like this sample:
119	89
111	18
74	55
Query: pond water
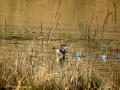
89	26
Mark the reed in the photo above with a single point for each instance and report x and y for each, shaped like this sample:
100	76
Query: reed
57	22
115	12
105	20
86	31
51	30
117	48
64	37
97	27
89	32
77	27
5	32
81	25
95	34
40	73
41	28
60	37
115	18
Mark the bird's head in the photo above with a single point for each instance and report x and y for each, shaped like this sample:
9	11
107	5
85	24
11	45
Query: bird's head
53	47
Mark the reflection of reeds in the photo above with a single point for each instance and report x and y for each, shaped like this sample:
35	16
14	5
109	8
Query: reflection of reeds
105	20
5	29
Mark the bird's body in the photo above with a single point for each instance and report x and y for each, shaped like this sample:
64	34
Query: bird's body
61	50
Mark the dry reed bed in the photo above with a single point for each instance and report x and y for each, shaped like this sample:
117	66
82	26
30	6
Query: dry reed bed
24	68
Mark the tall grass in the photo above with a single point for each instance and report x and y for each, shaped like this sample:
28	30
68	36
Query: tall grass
26	70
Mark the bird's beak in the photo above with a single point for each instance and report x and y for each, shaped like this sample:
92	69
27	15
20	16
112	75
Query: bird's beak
53	47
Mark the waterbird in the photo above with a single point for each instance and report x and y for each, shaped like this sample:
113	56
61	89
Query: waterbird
119	57
61	50
102	57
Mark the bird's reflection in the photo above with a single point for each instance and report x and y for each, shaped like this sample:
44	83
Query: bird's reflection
61	60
